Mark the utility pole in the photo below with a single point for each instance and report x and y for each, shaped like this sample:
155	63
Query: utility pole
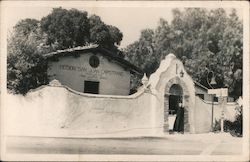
212	122
223	104
212	82
222	93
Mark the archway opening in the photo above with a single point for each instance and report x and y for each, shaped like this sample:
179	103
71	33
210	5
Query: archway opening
175	113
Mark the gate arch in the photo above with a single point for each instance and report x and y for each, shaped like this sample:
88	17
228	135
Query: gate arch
176	83
171	71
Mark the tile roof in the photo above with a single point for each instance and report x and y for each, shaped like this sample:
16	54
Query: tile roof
200	85
95	48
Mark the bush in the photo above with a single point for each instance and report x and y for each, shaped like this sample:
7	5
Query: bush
235	127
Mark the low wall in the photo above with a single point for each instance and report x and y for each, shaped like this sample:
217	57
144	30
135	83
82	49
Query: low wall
59	111
203	114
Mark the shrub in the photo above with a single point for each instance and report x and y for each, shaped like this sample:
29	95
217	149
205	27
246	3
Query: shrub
235	127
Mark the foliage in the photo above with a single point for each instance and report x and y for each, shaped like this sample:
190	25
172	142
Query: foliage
25	66
141	52
61	29
205	40
235	127
68	28
105	35
135	81
71	28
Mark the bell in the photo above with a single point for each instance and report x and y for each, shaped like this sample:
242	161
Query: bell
213	82
144	80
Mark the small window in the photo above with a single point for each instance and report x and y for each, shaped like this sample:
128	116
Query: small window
216	99
94	61
91	87
200	95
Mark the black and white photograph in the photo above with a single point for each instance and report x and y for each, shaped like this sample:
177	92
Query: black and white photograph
124	80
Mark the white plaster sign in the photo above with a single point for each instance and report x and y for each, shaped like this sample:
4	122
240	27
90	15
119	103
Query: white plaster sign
220	92
213	91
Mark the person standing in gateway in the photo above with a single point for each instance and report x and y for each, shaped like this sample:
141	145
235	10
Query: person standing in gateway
179	121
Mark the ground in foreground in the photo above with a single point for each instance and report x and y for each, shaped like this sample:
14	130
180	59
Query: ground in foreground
177	144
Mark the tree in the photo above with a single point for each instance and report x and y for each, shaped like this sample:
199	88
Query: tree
142	54
69	28
205	40
107	36
115	35
61	29
26	67
99	32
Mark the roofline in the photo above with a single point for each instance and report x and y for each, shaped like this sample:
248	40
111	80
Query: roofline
200	85
123	61
75	49
108	53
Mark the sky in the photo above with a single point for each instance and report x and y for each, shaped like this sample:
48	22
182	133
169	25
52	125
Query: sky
130	19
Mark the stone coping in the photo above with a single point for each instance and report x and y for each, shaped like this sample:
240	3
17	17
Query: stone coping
133	96
217	103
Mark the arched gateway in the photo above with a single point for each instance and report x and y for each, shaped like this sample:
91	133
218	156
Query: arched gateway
176	100
175	91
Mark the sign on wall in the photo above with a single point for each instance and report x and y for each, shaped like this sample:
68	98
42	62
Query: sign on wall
90	72
220	92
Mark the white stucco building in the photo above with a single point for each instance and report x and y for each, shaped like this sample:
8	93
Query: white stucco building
91	69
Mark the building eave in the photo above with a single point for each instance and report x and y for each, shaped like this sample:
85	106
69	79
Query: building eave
95	48
200	85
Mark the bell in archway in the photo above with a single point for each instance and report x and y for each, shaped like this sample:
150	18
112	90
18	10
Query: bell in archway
213	82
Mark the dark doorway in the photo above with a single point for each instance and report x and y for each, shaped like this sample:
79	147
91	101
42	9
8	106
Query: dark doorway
173	104
179	120
176	110
91	87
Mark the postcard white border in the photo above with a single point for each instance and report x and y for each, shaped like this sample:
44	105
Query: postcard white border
168	4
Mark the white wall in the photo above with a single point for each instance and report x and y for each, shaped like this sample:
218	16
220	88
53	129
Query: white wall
55	110
203	114
60	111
